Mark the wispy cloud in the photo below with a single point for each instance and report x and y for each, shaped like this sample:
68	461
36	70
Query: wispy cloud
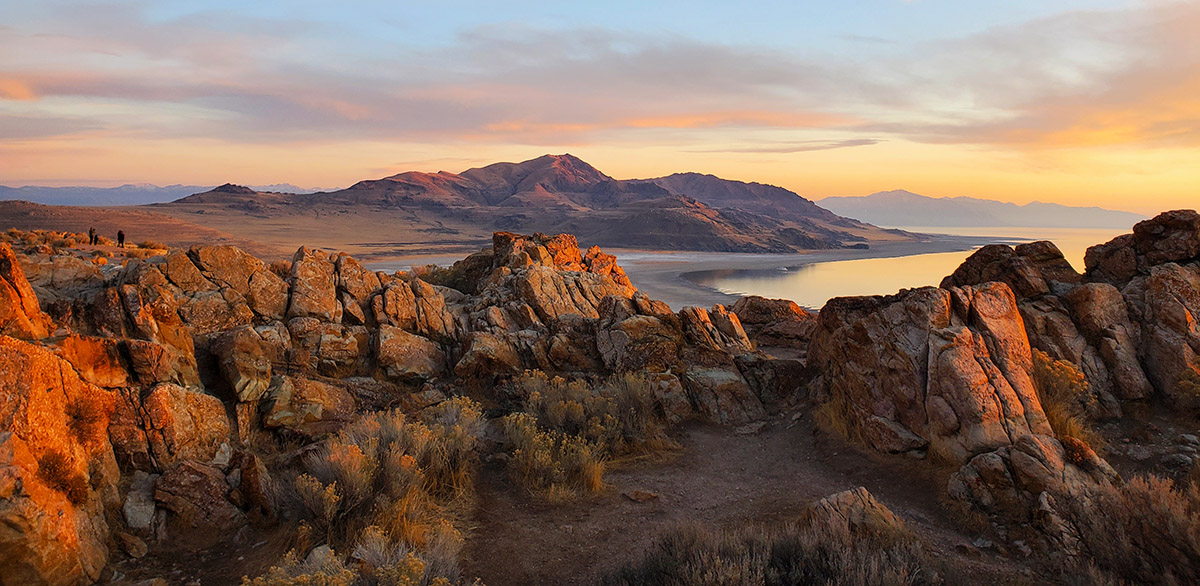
801	147
1076	79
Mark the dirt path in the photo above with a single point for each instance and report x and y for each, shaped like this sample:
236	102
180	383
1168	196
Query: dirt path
719	479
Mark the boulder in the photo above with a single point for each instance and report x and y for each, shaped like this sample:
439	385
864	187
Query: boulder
307	406
775	322
57	470
97	360
20	314
243	362
951	367
314	287
166	424
1009	480
1172	236
197	495
406	356
857	509
488	356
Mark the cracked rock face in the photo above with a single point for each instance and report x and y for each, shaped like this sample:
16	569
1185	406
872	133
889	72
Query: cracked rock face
950	368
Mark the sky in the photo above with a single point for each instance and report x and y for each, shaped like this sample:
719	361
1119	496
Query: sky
1079	102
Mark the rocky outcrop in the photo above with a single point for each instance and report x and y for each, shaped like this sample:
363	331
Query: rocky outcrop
946	369
20	314
57	469
164	366
1126	323
1014	481
775	322
1170	237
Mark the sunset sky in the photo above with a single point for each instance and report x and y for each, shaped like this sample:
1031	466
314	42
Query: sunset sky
1091	102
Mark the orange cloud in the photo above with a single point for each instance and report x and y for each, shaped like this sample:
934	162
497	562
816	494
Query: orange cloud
15	89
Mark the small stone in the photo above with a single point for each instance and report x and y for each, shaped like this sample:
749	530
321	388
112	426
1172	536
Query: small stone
797	416
1176	461
1139	453
1189	439
641	496
132	544
1023	548
967	549
754	428
138	508
223	455
981	543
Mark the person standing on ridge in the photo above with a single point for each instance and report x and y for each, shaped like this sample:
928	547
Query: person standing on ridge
91	236
120	239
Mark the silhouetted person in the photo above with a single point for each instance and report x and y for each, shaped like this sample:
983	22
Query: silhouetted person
91	236
120	239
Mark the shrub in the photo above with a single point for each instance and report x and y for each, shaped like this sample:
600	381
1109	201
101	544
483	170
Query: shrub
617	415
550	462
153	244
837	416
382	485
791	554
1144	531
281	268
1063	393
87	419
57	471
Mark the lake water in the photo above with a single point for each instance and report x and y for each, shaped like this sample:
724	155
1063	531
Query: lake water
813	284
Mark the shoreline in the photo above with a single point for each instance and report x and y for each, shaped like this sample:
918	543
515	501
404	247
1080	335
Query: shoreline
669	276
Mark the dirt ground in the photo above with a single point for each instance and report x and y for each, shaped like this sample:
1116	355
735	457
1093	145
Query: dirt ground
718	479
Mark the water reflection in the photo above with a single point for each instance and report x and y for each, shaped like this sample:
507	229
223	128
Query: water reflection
814	284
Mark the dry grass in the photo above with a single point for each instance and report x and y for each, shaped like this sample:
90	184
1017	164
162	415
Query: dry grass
57	471
618	415
1063	393
570	431
551	463
787	555
1144	532
837	416
87	419
388	483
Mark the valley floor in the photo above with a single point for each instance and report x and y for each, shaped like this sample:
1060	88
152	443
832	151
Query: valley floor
719	479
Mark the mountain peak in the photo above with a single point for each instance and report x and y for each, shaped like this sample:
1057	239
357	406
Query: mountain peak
233	189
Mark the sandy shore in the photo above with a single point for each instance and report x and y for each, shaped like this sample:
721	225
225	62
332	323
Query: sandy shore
664	275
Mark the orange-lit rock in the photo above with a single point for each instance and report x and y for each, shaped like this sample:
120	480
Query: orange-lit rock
20	314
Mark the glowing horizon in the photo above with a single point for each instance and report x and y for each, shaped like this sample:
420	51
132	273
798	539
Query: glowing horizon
1082	103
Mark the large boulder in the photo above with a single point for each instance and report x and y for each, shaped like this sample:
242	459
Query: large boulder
775	322
951	367
153	430
20	314
198	496
314	286
406	356
1168	237
57	470
307	406
1010	480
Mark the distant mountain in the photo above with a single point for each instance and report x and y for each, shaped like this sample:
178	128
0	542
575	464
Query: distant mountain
125	195
561	193
904	208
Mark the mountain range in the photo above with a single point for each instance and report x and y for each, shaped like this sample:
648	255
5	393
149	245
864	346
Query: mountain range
904	208
550	194
123	195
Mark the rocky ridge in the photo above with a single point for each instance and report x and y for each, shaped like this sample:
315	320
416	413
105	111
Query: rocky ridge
947	371
159	372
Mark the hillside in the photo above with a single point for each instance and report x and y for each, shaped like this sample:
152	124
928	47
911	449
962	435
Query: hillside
904	208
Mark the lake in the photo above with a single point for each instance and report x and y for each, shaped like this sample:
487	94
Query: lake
811	285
